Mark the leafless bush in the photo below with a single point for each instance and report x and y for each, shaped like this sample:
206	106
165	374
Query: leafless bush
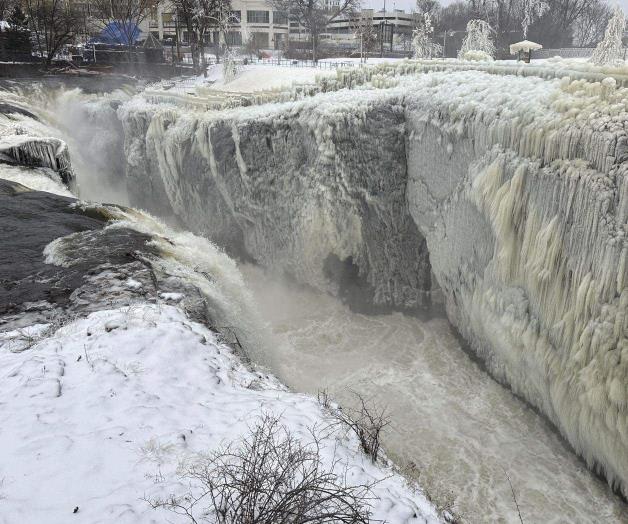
270	478
323	398
367	422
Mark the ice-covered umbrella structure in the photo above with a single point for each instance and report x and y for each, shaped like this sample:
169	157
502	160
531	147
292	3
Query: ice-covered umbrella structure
526	47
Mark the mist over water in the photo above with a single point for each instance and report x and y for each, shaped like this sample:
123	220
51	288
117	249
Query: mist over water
455	429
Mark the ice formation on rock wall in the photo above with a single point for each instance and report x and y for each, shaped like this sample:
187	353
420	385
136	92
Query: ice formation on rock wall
26	145
46	152
512	190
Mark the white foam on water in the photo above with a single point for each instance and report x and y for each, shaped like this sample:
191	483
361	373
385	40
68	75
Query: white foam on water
462	430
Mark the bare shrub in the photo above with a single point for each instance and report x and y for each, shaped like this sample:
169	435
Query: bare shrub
270	478
367	422
323	398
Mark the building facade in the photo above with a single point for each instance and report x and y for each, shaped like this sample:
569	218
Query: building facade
256	22
396	27
251	20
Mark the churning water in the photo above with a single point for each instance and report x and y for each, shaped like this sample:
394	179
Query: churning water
453	427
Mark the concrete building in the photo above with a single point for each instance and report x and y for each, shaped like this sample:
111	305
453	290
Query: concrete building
254	19
396	26
268	29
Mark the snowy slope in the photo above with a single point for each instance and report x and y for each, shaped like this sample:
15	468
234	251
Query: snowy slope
99	414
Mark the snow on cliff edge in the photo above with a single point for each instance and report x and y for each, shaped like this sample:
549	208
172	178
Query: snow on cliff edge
99	414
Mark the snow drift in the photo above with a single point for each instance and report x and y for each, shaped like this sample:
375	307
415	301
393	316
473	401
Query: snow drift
511	191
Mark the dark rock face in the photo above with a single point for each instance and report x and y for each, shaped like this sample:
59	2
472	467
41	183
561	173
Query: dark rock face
90	268
30	221
278	192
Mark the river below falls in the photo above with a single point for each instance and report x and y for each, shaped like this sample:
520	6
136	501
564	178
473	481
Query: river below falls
460	433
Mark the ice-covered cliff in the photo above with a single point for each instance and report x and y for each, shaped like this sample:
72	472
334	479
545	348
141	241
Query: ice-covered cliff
511	191
24	146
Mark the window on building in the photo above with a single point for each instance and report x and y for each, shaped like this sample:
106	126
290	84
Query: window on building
235	17
257	17
280	40
280	18
261	40
233	38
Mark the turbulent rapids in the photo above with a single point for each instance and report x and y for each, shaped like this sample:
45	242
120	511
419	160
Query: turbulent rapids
397	189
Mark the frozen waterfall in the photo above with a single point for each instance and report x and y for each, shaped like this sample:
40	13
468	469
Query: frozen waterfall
511	191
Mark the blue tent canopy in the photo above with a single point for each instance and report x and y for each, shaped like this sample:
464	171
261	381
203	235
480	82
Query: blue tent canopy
124	33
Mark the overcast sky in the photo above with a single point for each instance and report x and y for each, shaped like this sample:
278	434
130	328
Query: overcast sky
408	5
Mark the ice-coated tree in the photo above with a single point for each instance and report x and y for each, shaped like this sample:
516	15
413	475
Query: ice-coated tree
366	34
478	38
229	65
610	49
422	43
54	23
316	15
531	10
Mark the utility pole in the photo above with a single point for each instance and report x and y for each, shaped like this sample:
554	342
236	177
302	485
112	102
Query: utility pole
381	38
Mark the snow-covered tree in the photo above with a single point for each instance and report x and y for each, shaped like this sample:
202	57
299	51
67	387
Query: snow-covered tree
229	66
478	39
365	33
610	49
422	43
531	10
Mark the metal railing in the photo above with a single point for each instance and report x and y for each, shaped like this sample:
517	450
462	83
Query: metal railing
286	62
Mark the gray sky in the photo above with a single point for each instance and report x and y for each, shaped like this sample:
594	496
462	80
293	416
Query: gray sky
408	5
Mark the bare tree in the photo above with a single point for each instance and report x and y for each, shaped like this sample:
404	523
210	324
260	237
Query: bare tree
124	16
531	10
367	422
589	28
553	23
54	24
272	477
316	15
186	14
198	18
366	34
217	14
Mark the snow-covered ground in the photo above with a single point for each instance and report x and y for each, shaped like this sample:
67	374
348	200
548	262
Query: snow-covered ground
259	77
99	414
